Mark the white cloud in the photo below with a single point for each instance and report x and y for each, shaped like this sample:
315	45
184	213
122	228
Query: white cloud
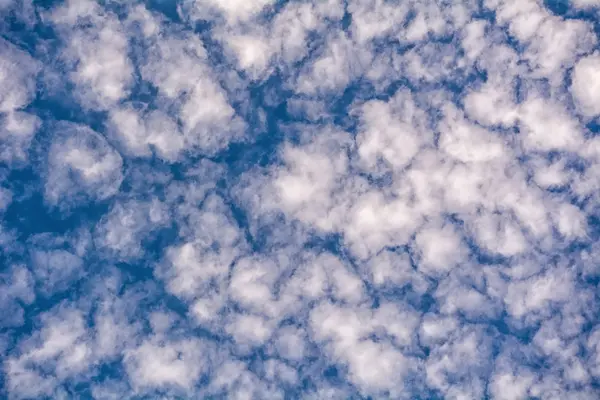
437	329
535	294
113	331
505	385
56	269
161	365
61	345
308	199
540	117
101	68
253	52
457	298
499	235
18	71
389	269
233	379
468	142
81	166
457	367
16	287
372	19
213	243
177	67
440	249
584	85
142	132
122	230
290	343
249	331
234	11
375	367
280	372
492	104
17	132
335	68
5	198
307	187
389	138
252	281
293	24
374	223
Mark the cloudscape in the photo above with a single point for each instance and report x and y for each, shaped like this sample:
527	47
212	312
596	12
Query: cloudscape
273	199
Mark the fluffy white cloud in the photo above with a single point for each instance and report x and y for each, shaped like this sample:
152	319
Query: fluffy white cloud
141	132
101	68
584	85
234	10
335	68
60	347
18	72
387	138
81	166
157	364
122	230
17	77
262	199
375	367
16	284
177	67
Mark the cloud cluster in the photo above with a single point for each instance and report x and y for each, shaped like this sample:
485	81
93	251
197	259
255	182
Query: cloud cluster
310	199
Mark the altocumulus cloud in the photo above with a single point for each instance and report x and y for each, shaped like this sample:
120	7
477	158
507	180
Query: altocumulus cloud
271	199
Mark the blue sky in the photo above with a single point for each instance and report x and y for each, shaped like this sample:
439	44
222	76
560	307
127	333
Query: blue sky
265	199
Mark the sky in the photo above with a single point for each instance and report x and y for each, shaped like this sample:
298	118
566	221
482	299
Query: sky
329	199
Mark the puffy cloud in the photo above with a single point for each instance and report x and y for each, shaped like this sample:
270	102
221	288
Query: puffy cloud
101	69
18	72
56	269
335	68
17	77
178	68
17	289
233	11
81	166
123	229
154	364
264	199
18	130
440	249
583	85
375	367
60	350
140	134
386	137
537	293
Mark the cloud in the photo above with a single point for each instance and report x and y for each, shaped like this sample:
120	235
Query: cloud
123	229
18	72
81	166
266	199
60	346
583	85
158	365
16	290
585	4
233	11
177	68
101	70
